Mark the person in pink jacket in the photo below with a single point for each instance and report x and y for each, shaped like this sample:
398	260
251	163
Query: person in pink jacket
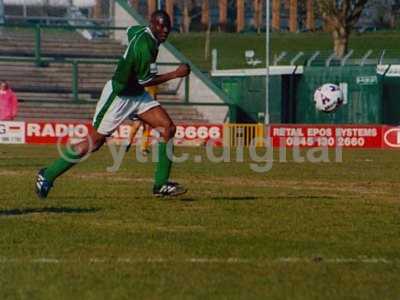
8	102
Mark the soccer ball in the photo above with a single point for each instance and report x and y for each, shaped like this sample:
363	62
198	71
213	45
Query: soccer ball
328	97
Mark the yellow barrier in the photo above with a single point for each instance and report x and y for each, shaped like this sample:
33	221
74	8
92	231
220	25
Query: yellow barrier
243	135
152	90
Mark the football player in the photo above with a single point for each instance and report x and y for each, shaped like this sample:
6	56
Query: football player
124	97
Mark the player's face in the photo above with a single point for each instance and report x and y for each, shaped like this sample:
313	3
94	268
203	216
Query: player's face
162	28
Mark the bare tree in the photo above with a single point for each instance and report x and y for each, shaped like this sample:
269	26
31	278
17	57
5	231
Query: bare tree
97	10
276	15
293	15
151	7
385	14
205	14
169	7
310	19
223	10
257	5
192	14
187	18
340	18
240	21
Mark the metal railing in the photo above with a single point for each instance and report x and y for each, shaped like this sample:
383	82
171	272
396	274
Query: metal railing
38	33
324	58
47	61
329	58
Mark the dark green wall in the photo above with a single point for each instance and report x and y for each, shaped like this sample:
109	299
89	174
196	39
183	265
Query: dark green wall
364	95
372	98
248	93
391	100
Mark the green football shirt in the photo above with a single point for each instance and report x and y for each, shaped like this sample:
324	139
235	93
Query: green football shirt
138	64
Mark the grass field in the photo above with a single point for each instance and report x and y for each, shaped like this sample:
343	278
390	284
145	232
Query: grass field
232	46
300	231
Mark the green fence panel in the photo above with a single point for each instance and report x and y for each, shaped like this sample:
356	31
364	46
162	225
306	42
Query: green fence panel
364	95
248	94
391	100
232	87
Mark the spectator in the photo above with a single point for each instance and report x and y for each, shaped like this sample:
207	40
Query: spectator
8	102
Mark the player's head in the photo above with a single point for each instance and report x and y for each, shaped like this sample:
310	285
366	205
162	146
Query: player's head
160	24
3	85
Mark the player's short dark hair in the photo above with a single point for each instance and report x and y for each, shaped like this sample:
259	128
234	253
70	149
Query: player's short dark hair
160	14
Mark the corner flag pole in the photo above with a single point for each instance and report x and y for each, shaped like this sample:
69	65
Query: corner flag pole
267	62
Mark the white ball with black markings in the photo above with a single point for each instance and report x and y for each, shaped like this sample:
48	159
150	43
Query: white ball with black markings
328	97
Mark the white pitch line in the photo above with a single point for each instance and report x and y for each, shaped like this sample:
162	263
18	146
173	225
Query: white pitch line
203	260
45	260
365	260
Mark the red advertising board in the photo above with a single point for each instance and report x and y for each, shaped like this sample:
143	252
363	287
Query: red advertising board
55	132
61	132
196	135
347	136
391	137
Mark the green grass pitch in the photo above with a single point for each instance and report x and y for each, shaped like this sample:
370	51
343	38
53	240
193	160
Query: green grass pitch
300	231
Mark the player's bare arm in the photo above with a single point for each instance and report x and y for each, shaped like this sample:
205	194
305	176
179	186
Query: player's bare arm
182	71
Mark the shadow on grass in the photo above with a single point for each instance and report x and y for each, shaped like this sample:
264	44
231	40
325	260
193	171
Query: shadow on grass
46	210
294	197
235	198
188	199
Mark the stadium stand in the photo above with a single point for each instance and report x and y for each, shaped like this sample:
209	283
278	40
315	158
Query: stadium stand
45	92
59	44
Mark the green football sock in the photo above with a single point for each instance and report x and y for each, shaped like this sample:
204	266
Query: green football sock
67	160
163	168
